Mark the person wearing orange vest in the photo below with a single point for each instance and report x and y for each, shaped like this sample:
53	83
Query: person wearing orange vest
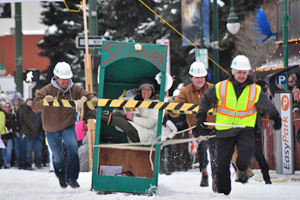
193	93
237	98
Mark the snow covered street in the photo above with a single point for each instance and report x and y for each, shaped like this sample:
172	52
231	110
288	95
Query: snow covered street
40	184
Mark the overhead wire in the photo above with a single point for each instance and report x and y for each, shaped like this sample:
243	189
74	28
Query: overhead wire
165	22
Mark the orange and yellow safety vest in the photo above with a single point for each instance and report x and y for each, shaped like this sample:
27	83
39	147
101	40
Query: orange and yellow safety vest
233	111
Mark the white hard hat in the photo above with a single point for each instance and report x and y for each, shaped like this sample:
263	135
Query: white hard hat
176	92
197	69
241	62
169	80
63	70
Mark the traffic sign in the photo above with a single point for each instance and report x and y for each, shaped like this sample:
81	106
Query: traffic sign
31	75
93	41
201	55
281	79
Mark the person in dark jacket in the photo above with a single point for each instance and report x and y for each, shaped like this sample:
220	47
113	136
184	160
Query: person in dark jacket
34	144
30	132
19	138
193	93
59	122
237	98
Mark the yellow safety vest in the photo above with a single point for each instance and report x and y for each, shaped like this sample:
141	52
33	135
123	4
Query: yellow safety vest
235	111
2	123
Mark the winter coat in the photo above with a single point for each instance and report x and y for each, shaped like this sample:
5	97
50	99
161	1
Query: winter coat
36	120
190	94
2	122
15	120
58	118
25	120
8	128
146	124
263	102
80	129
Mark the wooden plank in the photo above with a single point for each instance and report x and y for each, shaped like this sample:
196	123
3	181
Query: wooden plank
91	135
135	160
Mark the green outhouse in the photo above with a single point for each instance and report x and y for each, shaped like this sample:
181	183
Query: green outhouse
123	65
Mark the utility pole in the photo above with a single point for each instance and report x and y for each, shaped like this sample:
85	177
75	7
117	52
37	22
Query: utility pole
201	26
286	18
19	48
215	46
90	77
93	31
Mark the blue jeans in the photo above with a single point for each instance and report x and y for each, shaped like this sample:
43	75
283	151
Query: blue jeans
65	167
1	160
17	146
20	145
35	144
6	153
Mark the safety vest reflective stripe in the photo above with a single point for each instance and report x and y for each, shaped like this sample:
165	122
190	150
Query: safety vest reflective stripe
242	114
252	96
225	111
222	93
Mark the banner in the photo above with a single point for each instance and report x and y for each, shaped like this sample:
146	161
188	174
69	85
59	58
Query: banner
190	21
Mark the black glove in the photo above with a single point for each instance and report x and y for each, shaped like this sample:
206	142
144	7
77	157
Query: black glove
277	121
201	118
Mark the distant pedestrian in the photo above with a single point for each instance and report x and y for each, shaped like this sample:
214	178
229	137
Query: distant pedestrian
8	136
28	129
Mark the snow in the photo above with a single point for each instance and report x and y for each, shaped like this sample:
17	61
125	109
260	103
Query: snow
42	184
71	23
52	30
173	11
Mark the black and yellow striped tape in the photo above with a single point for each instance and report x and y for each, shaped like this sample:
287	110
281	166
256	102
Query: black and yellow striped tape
183	108
60	103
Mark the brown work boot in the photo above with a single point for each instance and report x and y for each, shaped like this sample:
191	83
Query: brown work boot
243	178
106	117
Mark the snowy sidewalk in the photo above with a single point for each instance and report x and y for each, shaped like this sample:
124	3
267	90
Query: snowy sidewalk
41	184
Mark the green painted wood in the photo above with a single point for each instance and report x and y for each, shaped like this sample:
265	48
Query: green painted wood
125	184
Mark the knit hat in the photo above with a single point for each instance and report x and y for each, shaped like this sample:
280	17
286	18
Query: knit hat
147	82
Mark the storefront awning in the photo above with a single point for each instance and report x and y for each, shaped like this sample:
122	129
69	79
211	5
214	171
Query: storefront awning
276	60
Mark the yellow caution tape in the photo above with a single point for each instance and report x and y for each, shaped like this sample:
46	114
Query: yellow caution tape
171	107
